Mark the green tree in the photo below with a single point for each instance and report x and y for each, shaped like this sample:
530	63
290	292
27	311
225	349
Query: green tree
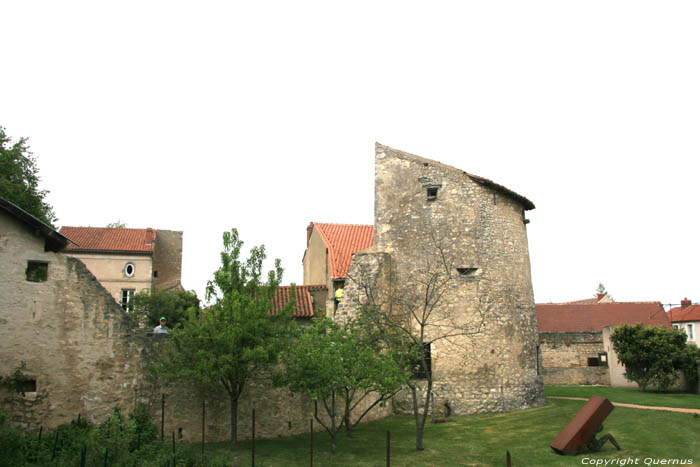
19	179
238	338
339	368
175	305
652	356
118	224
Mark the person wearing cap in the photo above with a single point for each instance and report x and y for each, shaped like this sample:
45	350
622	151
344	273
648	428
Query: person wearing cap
160	329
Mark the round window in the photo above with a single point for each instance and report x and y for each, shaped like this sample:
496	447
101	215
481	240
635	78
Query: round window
129	269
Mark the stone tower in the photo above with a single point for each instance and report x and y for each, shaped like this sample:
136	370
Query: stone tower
466	233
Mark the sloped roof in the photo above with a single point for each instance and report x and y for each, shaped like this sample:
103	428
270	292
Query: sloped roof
567	317
54	241
344	240
304	302
691	313
110	239
527	204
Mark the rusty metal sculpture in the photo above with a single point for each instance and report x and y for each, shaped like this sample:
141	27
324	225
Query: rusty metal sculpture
580	433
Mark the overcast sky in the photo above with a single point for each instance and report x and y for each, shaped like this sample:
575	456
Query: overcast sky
203	116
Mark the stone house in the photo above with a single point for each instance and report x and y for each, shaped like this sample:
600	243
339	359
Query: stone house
59	320
429	216
575	346
128	261
687	318
329	251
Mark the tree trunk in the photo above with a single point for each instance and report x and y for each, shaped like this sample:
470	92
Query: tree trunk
334	429
234	422
348	426
416	414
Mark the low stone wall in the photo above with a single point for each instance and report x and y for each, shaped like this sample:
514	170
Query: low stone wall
565	376
277	412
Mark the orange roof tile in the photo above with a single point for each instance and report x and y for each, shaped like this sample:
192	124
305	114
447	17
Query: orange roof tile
110	239
566	317
691	313
344	240
304	302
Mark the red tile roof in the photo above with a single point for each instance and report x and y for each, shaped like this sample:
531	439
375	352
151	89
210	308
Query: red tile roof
344	240
691	313
304	303
566	317
588	301
110	239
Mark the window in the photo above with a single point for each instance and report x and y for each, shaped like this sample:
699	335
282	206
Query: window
129	269
37	271
593	361
602	358
432	193
28	385
468	272
690	331
420	371
127	301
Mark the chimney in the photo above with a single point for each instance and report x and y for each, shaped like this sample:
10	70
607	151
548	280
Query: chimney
685	303
309	229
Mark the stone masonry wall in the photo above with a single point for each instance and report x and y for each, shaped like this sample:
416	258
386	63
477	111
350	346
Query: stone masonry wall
565	358
88	356
71	333
482	232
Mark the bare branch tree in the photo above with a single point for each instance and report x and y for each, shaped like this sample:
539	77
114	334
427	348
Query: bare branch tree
411	309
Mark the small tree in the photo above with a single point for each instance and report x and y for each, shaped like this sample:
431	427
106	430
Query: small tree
19	179
173	304
238	337
338	367
118	224
652	356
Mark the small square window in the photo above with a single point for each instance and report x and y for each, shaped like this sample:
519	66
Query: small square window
28	385
603	358
432	193
37	271
593	361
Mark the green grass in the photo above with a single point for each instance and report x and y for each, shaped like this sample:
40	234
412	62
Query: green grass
628	395
482	440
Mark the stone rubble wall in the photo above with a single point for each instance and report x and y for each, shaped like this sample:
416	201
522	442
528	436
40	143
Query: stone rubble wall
89	356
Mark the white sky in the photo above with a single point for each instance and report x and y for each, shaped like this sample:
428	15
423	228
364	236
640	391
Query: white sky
202	116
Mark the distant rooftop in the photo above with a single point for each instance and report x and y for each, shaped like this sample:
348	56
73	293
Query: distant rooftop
343	240
108	239
304	301
567	317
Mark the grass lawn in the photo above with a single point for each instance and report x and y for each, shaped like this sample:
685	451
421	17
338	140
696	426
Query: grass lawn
482	440
628	395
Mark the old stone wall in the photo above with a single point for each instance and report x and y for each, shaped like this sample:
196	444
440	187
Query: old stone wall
436	222
565	358
576	376
74	338
87	356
